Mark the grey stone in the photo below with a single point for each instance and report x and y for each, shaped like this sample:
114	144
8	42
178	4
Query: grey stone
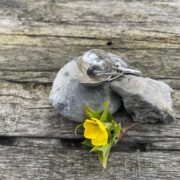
68	96
145	99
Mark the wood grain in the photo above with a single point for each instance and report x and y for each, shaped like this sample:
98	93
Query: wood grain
25	111
38	59
81	18
42	159
36	39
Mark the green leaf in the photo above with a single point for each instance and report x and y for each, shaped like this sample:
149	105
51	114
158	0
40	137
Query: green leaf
100	157
100	148
103	153
87	142
108	126
117	130
103	159
100	112
90	113
110	117
106	111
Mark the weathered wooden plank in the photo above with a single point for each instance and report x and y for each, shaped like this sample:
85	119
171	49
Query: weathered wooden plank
38	59
173	83
34	159
36	39
25	111
81	18
139	41
40	36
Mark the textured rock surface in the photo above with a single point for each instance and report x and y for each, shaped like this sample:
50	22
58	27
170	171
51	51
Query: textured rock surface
146	100
68	96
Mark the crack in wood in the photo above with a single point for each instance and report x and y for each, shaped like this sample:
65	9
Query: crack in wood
76	144
7	141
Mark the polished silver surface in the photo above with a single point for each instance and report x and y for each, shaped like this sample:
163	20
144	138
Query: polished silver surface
97	66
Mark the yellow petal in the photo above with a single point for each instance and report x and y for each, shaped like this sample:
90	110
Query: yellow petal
88	121
101	139
91	129
101	125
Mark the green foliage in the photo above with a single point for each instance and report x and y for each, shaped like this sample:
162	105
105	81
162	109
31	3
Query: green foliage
113	128
105	112
103	153
87	142
90	113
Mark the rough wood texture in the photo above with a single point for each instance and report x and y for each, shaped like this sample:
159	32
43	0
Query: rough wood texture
44	159
28	113
36	39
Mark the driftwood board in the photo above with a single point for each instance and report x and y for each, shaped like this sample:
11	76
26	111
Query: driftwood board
36	39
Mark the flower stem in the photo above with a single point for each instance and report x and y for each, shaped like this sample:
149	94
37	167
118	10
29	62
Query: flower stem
124	130
130	127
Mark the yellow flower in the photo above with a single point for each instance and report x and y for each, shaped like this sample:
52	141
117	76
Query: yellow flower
96	131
